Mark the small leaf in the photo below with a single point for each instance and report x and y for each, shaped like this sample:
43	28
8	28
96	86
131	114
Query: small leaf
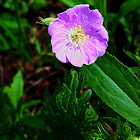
33	121
3	43
134	57
120	130
127	7
91	135
5	115
90	117
28	104
15	91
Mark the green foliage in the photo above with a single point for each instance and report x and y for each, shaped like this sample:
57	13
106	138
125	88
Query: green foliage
15	91
134	57
123	131
67	114
136	70
38	4
115	85
5	117
16	114
72	3
127	7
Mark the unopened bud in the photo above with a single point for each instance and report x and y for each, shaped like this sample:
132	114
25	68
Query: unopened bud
45	21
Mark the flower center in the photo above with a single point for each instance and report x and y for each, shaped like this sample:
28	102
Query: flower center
76	36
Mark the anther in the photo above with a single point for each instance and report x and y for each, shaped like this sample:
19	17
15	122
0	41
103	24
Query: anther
79	29
77	41
72	32
82	35
83	39
81	44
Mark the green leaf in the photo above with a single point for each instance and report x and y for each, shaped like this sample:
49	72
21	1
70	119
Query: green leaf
91	135
134	57
34	122
116	85
5	115
90	117
136	71
4	138
9	4
123	130
104	133
127	7
3	43
28	104
38	4
136	132
72	3
15	90
71	114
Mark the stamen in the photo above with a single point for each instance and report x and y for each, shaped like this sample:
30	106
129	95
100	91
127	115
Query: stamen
72	32
87	37
77	41
83	39
79	29
81	44
77	36
82	35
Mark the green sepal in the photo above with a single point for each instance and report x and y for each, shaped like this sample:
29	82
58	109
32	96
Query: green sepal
45	21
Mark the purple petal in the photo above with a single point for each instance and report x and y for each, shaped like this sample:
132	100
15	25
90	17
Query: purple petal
59	45
61	53
56	26
87	17
68	18
99	45
75	57
59	40
91	50
100	34
99	39
59	36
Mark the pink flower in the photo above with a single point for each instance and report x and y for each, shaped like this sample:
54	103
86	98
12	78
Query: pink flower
78	36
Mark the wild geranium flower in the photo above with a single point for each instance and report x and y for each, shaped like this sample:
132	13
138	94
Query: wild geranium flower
78	35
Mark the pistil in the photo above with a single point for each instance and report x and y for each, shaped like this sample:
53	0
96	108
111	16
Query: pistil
77	37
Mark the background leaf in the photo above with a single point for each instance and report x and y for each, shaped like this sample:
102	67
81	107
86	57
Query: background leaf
15	91
5	115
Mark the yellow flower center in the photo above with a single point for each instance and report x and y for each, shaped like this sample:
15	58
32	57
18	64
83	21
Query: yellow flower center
77	37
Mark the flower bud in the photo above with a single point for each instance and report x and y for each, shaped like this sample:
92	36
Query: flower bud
45	21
